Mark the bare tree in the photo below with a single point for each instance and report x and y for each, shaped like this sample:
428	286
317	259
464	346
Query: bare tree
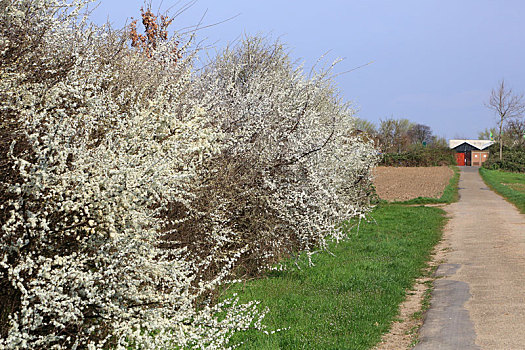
515	132
393	134
420	133
507	106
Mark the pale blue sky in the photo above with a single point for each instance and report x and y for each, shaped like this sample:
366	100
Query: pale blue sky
434	61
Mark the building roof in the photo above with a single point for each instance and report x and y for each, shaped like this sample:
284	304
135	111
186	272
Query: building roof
479	144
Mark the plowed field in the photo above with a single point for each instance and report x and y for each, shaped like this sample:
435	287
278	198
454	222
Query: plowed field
399	184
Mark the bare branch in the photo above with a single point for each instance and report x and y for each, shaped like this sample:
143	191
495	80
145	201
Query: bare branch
506	105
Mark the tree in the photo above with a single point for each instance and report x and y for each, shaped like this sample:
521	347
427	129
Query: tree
438	141
393	134
515	132
507	106
366	126
512	134
420	133
487	134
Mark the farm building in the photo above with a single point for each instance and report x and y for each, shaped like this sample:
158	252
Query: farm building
470	152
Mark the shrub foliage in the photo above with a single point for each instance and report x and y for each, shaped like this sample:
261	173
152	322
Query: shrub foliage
513	159
290	167
131	185
420	156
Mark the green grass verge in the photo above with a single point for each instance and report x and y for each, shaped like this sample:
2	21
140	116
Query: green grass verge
450	194
349	299
509	185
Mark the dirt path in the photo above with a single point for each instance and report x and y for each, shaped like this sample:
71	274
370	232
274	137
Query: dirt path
479	302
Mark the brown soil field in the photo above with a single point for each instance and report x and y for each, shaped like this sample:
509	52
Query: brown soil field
404	183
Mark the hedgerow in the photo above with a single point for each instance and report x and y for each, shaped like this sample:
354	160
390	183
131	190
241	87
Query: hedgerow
290	167
420	156
513	159
132	185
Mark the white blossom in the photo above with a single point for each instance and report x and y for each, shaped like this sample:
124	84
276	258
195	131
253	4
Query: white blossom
132	186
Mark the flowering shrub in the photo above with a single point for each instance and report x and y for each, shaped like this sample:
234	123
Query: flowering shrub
93	150
290	168
131	186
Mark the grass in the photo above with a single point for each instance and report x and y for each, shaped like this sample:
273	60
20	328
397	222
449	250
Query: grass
425	305
348	299
509	185
450	194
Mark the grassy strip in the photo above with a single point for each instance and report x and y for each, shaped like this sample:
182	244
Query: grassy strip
349	299
450	194
509	185
425	305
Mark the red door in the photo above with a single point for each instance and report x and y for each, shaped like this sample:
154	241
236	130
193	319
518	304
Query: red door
460	159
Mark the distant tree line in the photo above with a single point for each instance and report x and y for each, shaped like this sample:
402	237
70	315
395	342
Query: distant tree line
511	134
405	143
400	135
